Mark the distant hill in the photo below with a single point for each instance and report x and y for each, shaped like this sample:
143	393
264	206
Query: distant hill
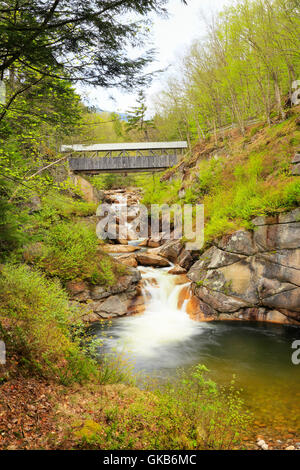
123	116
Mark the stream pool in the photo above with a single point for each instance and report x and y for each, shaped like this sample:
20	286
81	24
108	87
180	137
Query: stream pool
165	338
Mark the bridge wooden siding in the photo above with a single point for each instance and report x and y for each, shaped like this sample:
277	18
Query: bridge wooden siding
160	156
122	164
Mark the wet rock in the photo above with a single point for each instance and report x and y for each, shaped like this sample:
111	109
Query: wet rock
91	317
157	241
194	309
282	300
88	191
137	305
177	270
152	243
128	260
184	296
113	306
289	217
119	248
282	265
182	279
147	259
213	258
78	290
220	302
171	250
185	260
105	301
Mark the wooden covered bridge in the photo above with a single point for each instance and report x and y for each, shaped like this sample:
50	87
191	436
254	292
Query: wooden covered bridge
123	158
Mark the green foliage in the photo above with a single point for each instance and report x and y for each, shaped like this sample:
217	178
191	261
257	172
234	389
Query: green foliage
43	114
84	41
112	181
160	192
230	209
35	322
193	413
239	71
69	251
11	235
97	127
247	181
56	207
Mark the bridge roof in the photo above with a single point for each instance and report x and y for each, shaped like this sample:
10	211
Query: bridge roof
124	146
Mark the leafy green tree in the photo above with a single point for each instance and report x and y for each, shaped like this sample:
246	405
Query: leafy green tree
83	40
242	71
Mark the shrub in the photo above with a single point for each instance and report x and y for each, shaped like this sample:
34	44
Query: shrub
161	192
11	235
71	251
190	413
57	206
35	321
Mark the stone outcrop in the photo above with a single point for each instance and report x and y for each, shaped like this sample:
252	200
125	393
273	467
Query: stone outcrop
89	192
102	302
296	165
177	270
174	251
148	259
128	260
252	275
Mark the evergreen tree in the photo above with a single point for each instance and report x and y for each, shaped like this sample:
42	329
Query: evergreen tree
137	118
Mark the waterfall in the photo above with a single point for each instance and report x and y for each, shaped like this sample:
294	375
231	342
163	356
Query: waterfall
162	325
160	336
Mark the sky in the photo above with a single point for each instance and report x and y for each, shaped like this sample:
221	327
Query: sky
172	38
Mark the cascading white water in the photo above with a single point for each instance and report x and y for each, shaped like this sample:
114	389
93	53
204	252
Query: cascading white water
158	336
162	325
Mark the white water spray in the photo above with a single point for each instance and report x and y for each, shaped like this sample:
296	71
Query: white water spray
163	324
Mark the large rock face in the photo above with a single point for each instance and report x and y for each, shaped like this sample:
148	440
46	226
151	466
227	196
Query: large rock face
252	275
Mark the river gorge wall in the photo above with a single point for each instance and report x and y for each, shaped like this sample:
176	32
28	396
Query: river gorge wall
251	275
